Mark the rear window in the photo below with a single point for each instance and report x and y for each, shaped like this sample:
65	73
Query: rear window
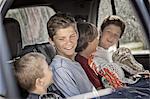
133	37
33	21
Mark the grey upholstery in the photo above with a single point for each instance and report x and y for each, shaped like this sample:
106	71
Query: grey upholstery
13	34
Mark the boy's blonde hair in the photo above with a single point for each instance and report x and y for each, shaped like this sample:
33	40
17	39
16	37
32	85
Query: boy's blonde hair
28	68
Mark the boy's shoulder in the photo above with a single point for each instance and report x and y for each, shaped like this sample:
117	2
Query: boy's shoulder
63	62
60	61
33	96
49	95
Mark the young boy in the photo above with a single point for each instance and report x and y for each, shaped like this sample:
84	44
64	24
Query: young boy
112	29
33	74
87	43
68	74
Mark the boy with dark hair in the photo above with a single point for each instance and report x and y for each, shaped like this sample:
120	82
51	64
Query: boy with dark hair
111	31
116	20
69	76
112	74
33	74
87	43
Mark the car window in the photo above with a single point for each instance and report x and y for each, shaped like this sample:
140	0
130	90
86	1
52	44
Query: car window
2	2
104	10
33	21
134	37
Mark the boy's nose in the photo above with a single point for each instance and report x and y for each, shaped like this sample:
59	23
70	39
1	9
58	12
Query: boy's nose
69	40
111	39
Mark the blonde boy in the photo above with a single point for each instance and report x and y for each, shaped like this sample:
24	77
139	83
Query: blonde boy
33	74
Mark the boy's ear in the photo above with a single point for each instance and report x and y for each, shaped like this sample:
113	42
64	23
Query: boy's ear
38	82
51	42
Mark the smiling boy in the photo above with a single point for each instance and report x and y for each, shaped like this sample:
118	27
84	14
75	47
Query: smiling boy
69	77
112	29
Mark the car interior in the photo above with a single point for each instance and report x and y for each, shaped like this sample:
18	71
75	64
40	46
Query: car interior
16	39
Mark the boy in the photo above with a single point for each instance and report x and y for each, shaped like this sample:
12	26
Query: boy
69	76
87	43
112	29
33	74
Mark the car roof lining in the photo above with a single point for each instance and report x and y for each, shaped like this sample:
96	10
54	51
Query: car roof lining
77	7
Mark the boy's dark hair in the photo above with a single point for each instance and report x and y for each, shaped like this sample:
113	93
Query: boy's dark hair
28	68
87	33
116	20
59	21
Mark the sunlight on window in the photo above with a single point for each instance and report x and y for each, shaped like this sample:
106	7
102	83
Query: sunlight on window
2	2
134	37
33	23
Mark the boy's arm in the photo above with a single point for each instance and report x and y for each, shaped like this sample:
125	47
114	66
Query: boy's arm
107	70
65	82
114	68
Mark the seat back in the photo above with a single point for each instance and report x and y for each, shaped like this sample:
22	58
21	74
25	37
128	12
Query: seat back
13	34
45	48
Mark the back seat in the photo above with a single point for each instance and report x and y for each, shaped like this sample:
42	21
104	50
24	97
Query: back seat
13	33
45	48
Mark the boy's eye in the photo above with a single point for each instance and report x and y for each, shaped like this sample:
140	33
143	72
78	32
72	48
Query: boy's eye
73	36
108	31
117	36
61	39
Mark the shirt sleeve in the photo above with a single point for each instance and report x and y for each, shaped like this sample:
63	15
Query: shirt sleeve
113	67
65	82
110	71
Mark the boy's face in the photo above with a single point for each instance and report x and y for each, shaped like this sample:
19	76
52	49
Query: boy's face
48	76
65	41
110	36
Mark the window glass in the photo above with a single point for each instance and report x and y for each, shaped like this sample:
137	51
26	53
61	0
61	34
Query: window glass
104	10
2	2
33	23
133	36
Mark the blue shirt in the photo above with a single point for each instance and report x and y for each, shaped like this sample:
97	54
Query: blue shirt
69	77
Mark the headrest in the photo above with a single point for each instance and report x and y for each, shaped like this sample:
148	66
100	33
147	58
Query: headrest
13	34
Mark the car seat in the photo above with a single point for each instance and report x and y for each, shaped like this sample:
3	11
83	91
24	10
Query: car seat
13	34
